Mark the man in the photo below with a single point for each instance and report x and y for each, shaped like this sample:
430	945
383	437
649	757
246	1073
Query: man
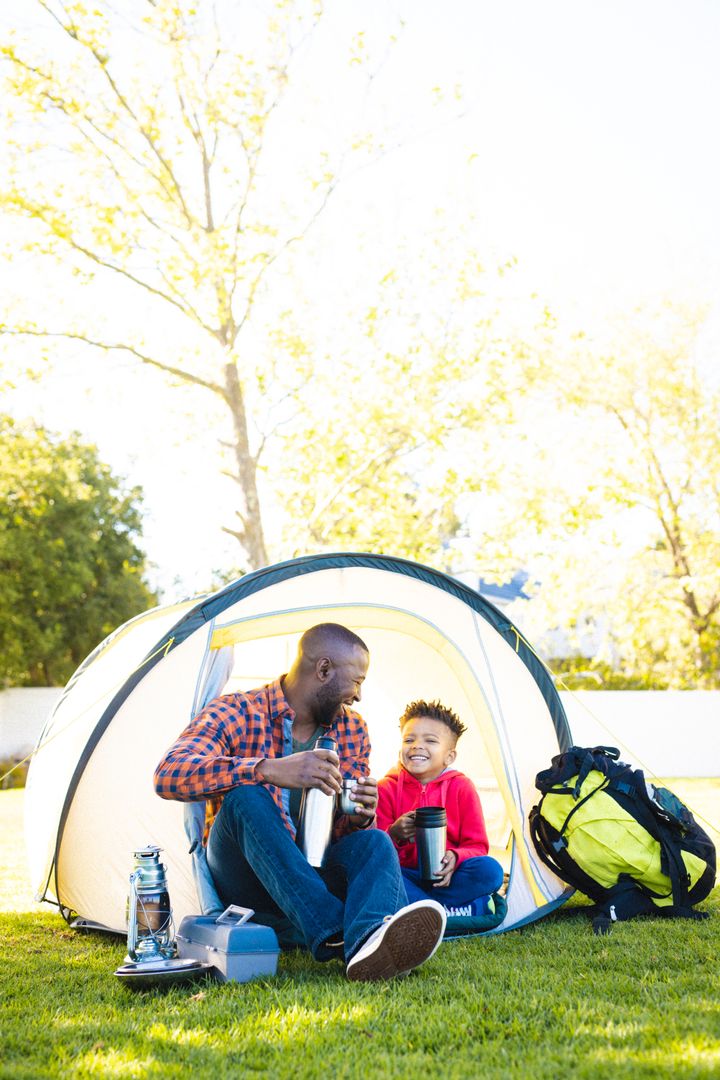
249	755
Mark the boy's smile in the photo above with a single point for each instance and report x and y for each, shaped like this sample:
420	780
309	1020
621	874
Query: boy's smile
427	748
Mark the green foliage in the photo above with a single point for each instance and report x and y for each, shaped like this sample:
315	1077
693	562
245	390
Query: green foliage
408	420
70	567
13	772
147	149
581	673
614	505
664	413
145	154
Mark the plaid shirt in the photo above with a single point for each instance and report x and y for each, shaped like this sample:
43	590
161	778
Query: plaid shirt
220	748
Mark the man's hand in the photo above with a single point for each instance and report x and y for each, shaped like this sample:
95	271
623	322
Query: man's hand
364	792
449	862
402	831
308	769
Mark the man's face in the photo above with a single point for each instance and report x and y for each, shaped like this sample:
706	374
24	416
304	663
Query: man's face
427	747
343	685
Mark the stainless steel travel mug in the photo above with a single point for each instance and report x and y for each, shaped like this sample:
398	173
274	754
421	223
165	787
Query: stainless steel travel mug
431	840
317	812
346	803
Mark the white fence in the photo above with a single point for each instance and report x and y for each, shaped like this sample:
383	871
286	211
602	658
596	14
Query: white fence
23	712
668	732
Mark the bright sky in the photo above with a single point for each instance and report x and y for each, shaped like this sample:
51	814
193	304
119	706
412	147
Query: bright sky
586	147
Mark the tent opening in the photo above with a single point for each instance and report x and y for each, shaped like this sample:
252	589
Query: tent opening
414	661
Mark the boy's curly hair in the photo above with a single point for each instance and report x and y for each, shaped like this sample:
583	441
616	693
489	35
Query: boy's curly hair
435	710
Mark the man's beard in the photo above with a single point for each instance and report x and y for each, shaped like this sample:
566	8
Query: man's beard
326	704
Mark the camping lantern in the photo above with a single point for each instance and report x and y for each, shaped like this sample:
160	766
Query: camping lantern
151	959
149	916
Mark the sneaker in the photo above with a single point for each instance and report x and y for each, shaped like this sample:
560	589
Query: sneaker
463	912
403	942
484	905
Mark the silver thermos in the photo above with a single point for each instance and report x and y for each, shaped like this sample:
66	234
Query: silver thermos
317	812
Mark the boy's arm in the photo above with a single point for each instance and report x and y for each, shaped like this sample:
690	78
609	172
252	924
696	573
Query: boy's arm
472	839
401	830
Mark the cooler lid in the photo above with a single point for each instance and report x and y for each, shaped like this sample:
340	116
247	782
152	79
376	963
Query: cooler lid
227	937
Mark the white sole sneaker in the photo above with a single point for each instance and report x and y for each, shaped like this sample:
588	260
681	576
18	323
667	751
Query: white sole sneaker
403	942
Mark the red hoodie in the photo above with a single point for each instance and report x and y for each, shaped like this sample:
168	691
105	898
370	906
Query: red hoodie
399	792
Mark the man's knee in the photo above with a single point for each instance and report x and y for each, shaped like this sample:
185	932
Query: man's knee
370	842
245	800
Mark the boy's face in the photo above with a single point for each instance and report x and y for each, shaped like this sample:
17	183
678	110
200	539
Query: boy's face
427	747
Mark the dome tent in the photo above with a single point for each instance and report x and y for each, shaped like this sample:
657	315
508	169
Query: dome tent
90	800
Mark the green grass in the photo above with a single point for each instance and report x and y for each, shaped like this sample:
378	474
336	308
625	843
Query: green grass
549	1001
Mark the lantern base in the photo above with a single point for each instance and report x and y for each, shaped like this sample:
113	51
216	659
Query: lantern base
149	973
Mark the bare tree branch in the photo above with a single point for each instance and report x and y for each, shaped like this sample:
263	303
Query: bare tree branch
107	346
102	62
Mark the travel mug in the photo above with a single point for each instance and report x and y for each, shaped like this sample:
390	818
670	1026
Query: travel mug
431	840
346	803
317	812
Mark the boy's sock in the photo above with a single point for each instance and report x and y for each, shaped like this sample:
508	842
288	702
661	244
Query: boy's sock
483	905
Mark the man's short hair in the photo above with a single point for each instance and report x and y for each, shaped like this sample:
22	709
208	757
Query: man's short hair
434	710
328	638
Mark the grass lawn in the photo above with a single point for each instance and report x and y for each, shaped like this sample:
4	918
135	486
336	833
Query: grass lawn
550	1000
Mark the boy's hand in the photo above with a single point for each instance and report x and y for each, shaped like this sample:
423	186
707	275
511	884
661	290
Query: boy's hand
402	831
449	863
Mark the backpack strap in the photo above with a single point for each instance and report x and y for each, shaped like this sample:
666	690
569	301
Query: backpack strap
612	780
621	902
577	762
547	839
632	795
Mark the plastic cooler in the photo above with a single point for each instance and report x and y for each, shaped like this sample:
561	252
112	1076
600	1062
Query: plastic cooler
239	950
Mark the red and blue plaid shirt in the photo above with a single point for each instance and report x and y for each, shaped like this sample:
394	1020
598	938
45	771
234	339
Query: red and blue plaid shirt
220	748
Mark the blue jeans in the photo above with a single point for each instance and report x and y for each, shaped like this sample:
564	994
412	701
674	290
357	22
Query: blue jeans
473	878
255	863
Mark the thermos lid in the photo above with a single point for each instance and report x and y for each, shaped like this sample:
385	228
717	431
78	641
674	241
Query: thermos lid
325	742
430	817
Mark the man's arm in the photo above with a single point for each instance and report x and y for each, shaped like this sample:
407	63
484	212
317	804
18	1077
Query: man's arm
201	761
309	768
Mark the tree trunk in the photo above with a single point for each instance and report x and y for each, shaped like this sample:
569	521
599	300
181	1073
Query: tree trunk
250	534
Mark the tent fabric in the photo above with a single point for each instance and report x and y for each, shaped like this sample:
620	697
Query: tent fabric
90	800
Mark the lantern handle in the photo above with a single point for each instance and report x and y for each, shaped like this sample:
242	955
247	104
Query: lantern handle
132	915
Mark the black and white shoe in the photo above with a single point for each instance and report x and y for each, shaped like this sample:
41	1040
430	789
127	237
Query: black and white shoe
403	942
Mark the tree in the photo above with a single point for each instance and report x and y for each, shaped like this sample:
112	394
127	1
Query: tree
70	566
634	479
145	155
414	417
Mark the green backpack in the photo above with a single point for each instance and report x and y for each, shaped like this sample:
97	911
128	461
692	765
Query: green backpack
631	847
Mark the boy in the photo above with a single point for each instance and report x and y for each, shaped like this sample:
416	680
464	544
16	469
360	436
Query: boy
425	777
